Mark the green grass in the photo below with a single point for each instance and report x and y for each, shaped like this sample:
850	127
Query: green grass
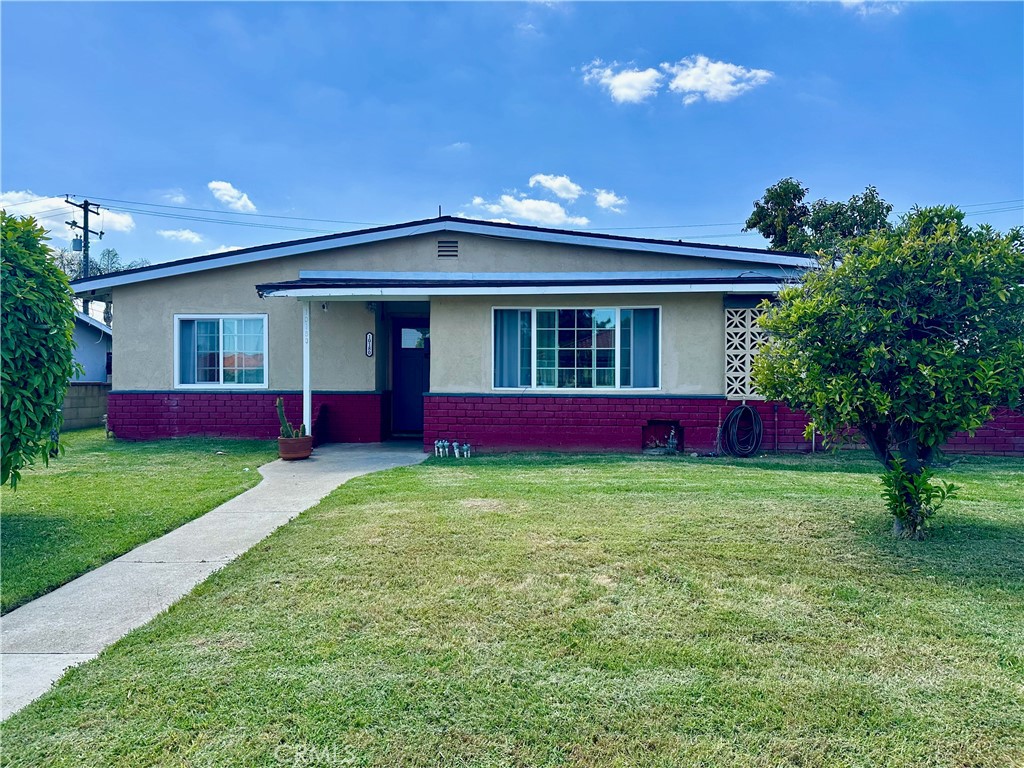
580	611
104	497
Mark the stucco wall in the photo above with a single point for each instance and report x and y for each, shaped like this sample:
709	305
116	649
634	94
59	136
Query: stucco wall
143	350
692	343
91	347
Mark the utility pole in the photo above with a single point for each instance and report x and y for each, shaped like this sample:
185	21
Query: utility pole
86	208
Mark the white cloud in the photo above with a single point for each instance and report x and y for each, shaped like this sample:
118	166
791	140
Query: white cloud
608	200
226	248
234	199
182	235
872	7
175	196
459	146
531	210
52	212
627	86
698	77
562	186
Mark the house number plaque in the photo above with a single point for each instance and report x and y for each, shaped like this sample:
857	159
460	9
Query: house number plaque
369	344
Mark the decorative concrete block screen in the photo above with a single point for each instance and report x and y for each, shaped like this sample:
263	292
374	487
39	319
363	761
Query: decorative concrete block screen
743	337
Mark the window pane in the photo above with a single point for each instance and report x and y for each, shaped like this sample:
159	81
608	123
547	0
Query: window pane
414	338
525	347
604	377
604	318
646	366
207	351
547	339
546	378
545	358
187	352
626	348
545	318
506	348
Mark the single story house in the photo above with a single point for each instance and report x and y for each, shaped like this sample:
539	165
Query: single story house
92	348
500	335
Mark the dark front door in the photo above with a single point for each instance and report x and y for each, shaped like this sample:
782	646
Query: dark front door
411	373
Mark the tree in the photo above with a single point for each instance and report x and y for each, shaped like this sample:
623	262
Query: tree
108	262
36	345
780	215
916	334
820	229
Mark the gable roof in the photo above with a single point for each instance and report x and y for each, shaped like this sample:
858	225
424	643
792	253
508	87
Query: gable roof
93	322
442	224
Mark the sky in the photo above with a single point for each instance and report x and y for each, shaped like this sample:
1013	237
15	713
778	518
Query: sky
201	127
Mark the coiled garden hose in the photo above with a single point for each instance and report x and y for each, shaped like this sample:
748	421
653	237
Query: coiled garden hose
741	432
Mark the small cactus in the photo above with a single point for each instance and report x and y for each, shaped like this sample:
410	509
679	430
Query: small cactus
287	430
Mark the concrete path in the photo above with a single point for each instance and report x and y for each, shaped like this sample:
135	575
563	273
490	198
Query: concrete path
72	624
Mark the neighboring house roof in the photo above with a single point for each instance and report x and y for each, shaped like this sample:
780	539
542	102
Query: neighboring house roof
94	323
443	224
316	284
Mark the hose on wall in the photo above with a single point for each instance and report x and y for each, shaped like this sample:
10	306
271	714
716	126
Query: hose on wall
741	432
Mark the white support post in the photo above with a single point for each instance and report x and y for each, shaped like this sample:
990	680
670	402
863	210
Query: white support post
307	395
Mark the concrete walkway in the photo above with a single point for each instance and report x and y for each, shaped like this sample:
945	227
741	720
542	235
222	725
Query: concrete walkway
72	624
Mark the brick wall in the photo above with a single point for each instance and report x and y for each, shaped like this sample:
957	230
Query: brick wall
525	422
355	417
84	404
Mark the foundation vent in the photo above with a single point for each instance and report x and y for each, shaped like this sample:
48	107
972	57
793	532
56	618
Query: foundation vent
447	249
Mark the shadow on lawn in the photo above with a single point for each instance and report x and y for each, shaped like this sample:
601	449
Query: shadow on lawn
958	549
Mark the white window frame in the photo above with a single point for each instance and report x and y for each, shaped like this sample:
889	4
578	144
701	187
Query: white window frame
618	327
220	317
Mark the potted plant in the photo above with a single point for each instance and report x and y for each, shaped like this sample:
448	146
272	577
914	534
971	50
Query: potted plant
293	443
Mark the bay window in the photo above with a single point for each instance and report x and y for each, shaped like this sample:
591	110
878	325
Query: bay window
577	348
220	351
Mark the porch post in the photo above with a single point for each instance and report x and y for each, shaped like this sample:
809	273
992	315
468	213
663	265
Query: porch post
307	396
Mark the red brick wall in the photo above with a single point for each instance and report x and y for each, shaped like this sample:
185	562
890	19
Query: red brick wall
525	422
350	417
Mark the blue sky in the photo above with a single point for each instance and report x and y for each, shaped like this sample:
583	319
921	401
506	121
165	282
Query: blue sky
656	115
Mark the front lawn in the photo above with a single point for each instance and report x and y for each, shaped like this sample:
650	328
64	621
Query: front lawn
104	497
583	611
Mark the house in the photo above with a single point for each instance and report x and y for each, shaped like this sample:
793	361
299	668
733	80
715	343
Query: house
92	348
500	335
85	401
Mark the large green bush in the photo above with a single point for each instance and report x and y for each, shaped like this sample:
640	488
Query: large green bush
36	344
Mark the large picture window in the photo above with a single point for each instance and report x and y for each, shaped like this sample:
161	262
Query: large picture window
577	348
221	351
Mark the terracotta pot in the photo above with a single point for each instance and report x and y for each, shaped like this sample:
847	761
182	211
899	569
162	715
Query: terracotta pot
293	448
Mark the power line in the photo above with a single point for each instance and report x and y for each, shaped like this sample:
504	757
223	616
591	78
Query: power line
235	213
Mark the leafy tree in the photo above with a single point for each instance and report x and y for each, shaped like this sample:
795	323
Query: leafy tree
36	345
780	215
916	334
109	261
821	228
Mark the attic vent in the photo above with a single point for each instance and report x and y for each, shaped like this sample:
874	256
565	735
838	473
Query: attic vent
447	249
